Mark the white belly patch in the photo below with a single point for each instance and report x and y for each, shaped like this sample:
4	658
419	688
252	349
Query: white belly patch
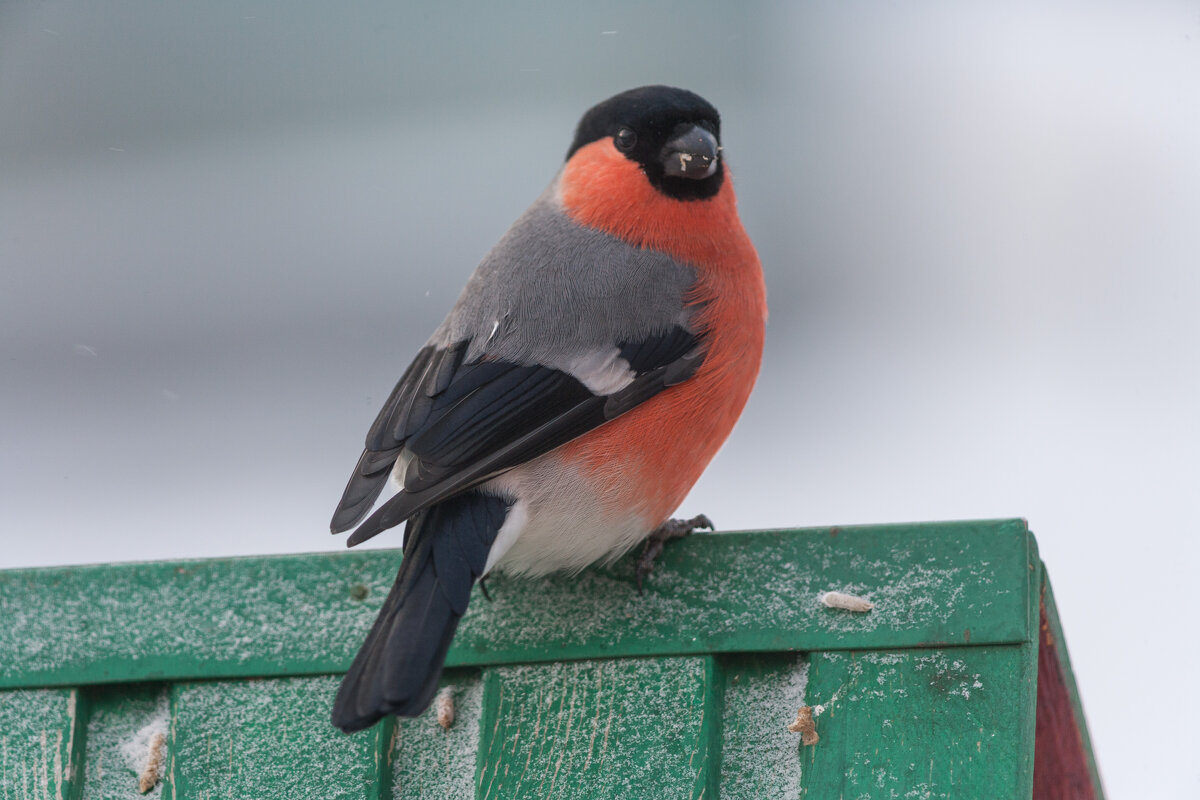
558	521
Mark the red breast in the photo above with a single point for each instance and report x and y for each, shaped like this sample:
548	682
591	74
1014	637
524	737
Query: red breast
650	457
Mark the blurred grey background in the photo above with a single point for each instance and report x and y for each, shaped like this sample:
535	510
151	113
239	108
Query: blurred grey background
225	228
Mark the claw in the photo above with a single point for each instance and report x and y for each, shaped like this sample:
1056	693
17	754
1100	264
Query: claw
671	529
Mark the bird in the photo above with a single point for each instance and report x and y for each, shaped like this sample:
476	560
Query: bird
594	363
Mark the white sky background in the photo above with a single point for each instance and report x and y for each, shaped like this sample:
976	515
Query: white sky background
225	228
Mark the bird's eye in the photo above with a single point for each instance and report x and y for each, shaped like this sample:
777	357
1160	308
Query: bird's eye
625	139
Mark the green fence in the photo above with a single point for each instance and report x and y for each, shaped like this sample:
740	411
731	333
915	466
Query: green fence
214	679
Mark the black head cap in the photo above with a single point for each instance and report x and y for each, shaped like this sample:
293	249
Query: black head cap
650	126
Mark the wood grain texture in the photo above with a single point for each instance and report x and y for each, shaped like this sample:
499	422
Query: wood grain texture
269	738
126	741
616	729
572	687
39	740
437	762
932	585
916	723
1064	768
760	757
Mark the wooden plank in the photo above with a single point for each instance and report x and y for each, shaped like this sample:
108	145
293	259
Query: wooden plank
937	723
194	619
432	761
270	738
760	757
1026	711
1064	765
933	584
126	742
600	729
38	744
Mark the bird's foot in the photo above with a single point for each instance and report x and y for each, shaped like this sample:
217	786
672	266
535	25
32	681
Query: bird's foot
671	529
483	588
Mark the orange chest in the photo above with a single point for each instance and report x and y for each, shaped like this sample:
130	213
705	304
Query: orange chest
649	458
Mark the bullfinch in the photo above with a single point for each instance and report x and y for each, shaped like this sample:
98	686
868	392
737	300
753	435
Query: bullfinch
594	363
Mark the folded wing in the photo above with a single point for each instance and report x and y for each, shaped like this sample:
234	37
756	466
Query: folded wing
451	424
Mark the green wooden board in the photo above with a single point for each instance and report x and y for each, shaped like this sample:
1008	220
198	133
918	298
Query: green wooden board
935	724
933	584
760	757
269	738
203	619
435	761
572	687
620	728
38	733
126	739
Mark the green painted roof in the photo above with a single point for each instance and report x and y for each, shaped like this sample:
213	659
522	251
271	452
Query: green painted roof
215	678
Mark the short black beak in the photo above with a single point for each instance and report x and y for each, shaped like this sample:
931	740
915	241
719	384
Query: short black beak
693	154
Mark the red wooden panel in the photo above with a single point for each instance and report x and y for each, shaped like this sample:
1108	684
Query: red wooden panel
1060	764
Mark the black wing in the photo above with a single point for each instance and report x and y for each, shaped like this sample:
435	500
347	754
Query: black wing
454	424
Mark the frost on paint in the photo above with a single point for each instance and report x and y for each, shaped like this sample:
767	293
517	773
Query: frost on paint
289	609
277	615
759	757
906	590
267	738
623	727
432	760
36	729
950	673
126	743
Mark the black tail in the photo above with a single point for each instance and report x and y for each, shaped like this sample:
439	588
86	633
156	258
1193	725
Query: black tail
397	670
